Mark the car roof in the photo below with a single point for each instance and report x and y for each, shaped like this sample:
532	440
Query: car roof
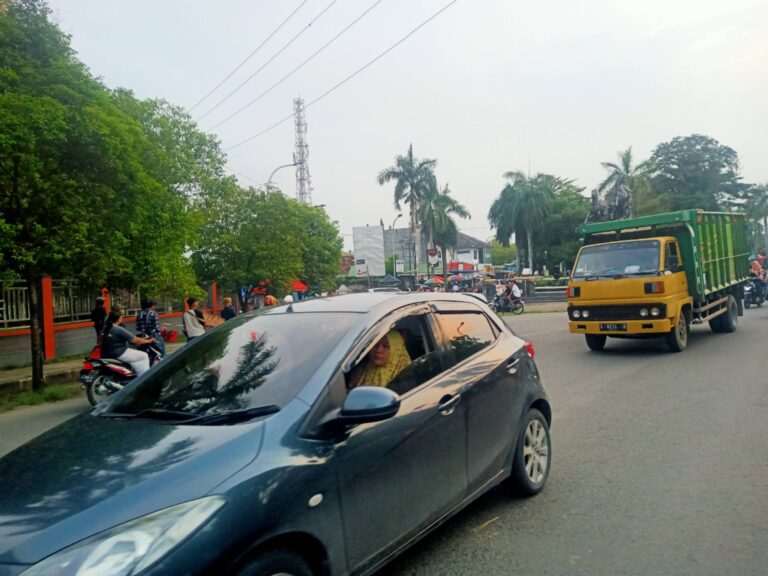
366	302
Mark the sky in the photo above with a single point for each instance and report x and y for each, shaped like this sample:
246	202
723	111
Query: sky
487	87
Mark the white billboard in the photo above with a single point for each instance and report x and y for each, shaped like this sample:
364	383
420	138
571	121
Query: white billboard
368	245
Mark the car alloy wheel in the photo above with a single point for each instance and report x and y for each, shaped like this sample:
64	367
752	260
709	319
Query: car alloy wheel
536	452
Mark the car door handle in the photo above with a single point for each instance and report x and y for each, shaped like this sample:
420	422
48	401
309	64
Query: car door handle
512	366
448	404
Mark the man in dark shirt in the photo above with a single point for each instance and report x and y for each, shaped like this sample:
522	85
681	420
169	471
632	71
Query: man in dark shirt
228	312
98	315
146	323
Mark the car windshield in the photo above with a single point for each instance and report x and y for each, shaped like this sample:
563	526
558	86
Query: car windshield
618	259
248	363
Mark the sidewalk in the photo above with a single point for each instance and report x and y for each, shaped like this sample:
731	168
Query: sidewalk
20	379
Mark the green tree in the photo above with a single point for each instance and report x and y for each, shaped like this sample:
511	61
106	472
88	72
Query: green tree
436	214
522	208
413	179
696	172
559	239
250	236
624	173
501	254
756	207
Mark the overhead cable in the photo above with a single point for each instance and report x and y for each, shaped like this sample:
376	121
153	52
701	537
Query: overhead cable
297	68
255	50
348	78
275	55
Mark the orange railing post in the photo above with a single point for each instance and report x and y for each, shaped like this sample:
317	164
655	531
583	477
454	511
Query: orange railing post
107	300
46	307
214	297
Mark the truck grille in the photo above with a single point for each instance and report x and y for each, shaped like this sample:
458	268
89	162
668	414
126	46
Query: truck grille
630	312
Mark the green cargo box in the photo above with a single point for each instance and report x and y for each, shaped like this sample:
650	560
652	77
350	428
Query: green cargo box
713	245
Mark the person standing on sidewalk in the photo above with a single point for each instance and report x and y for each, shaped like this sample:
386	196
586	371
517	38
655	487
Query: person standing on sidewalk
146	323
98	316
228	312
194	326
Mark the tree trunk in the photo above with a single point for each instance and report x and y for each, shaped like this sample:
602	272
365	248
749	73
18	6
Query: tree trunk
530	250
38	380
517	255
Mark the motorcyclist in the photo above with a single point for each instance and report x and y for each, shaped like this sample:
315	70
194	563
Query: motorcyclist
115	340
513	293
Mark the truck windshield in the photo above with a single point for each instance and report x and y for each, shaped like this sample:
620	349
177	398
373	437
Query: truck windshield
618	259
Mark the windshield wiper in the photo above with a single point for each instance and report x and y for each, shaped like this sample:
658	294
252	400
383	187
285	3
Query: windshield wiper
234	416
152	413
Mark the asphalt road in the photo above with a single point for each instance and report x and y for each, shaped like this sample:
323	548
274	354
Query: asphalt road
660	463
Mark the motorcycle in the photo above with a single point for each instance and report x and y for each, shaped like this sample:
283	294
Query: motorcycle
502	304
754	294
102	377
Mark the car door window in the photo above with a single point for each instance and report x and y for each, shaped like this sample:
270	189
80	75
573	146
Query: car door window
465	333
404	357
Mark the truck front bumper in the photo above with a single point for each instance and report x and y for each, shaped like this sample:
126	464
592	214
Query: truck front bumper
613	327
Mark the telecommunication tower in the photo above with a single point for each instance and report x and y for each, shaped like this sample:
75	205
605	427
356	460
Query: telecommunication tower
303	180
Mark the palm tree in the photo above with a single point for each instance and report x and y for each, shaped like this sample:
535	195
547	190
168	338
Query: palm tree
522	207
436	217
413	179
623	173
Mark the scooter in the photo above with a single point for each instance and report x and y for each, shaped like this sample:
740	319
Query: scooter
753	293
502	304
102	377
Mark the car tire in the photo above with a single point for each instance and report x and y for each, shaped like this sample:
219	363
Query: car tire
273	562
596	342
533	456
677	339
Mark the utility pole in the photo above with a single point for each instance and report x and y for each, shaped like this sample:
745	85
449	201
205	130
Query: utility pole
303	180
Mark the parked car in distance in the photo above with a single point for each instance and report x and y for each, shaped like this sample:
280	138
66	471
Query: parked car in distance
318	438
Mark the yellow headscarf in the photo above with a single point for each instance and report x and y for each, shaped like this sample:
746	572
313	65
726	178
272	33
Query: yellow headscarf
366	374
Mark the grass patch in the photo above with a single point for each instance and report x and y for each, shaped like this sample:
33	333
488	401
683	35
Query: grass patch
52	393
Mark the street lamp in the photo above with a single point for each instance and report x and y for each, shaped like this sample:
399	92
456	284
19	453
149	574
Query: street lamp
275	170
394	259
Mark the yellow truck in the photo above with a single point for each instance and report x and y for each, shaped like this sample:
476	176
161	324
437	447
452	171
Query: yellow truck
654	276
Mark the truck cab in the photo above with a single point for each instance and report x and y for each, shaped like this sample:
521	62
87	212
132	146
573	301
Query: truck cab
628	288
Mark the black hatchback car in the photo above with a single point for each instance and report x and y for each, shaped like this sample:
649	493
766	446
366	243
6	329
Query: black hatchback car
322	437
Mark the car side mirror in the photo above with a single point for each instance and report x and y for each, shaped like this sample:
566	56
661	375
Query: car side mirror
362	405
368	404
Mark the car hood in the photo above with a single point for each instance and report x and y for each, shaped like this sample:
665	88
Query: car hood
93	473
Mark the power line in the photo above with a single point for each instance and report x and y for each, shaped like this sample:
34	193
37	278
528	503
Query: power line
268	38
275	55
242	175
299	67
348	78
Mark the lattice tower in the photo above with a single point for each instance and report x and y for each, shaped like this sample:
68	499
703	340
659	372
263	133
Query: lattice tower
303	180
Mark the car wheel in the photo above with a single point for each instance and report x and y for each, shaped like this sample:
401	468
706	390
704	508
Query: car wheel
677	339
533	456
596	342
278	562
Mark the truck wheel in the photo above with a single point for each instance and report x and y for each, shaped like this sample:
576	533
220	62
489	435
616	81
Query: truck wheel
730	318
596	342
677	339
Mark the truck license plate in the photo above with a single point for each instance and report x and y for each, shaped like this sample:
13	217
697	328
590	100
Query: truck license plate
613	327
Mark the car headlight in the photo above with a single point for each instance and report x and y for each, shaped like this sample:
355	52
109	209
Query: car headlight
585	314
577	314
131	547
643	312
655	311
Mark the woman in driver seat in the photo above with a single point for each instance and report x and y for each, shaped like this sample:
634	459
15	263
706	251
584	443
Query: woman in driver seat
385	361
